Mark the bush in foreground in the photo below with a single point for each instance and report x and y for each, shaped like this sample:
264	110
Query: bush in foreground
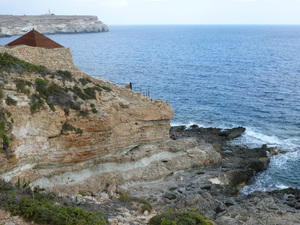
179	218
46	208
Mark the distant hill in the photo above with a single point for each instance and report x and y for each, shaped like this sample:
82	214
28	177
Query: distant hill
49	24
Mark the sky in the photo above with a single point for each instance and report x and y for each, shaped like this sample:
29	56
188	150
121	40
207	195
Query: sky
123	12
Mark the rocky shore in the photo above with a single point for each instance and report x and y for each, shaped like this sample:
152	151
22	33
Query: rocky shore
212	191
49	24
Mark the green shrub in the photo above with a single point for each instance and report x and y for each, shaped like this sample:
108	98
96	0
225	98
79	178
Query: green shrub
5	141
91	92
43	208
6	61
45	212
8	114
5	186
54	94
69	127
179	218
85	81
128	198
22	184
1	92
84	113
21	86
75	106
10	101
41	87
108	89
51	106
10	64
65	75
77	91
5	128
36	104
94	110
58	96
87	93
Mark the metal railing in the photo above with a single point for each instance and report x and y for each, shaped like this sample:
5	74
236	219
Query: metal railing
143	92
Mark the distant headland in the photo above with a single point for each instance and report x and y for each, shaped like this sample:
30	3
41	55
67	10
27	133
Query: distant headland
49	24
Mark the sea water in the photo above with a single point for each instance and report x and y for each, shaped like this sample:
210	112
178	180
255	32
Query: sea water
213	76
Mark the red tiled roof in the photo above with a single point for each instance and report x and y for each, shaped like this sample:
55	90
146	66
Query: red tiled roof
35	39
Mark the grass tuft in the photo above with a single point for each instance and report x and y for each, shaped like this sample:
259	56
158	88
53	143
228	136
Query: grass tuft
179	218
128	198
10	101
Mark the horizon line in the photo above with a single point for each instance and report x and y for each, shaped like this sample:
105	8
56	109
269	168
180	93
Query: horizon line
208	24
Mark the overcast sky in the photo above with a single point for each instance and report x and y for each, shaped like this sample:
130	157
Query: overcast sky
165	11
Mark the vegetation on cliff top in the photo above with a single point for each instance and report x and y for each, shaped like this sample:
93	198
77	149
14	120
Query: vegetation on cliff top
50	92
44	208
12	64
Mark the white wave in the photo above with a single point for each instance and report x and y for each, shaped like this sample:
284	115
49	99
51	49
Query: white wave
254	138
187	124
252	188
281	174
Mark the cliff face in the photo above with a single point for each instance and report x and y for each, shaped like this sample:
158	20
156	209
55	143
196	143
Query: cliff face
70	132
50	24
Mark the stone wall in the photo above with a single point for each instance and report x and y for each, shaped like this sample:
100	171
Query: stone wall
54	59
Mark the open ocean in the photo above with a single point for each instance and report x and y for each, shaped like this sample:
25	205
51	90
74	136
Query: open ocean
215	75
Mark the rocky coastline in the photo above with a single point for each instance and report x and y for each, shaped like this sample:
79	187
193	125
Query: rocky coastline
50	24
103	147
212	191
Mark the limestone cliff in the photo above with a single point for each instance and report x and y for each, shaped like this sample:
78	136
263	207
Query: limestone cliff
49	24
70	132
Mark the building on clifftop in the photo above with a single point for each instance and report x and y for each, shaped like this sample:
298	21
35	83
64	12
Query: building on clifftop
36	48
35	39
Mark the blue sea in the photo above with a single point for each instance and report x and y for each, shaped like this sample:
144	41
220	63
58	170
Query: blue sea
214	76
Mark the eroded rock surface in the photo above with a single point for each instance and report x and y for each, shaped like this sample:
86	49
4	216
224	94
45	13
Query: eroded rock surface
214	190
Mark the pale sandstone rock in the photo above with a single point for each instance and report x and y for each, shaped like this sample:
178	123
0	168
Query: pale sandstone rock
104	196
127	140
112	188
